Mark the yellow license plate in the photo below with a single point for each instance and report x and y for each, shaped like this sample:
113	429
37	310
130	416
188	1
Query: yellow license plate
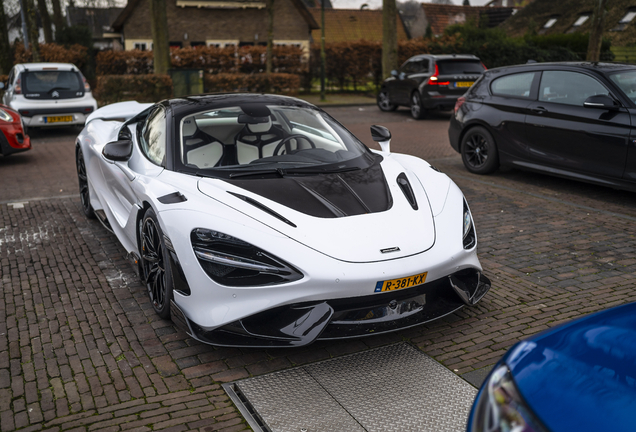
464	83
58	119
401	283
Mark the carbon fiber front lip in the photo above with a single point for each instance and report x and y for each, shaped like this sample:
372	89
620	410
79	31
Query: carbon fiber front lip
301	324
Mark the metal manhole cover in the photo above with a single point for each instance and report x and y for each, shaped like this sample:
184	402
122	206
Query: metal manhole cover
393	388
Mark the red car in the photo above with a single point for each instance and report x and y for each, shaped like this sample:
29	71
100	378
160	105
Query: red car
13	138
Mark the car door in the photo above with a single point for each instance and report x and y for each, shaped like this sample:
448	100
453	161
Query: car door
118	177
564	134
401	85
417	71
506	111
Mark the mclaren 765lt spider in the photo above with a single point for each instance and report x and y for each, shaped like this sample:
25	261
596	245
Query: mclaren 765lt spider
260	221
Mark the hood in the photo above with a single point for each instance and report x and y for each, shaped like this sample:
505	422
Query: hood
582	376
374	214
120	110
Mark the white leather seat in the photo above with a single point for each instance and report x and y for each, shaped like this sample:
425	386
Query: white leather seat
204	156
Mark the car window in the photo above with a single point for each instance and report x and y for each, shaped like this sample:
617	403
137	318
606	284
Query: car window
518	85
415	66
154	137
569	88
626	80
47	81
459	67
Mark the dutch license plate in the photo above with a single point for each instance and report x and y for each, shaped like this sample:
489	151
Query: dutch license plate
401	283
58	119
464	83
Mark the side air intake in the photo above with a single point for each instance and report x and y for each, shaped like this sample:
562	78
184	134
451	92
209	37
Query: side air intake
405	185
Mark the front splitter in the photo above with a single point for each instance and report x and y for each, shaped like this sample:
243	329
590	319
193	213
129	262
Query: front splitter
393	388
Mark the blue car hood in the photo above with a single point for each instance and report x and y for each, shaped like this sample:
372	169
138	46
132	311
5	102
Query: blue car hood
581	376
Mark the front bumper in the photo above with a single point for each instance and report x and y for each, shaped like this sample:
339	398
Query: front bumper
13	139
303	323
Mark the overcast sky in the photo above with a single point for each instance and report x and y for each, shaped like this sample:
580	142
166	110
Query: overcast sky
375	4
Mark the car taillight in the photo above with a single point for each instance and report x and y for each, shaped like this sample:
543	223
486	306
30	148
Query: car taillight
433	79
18	87
459	103
87	86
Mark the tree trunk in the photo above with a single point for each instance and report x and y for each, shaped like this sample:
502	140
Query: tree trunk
270	37
160	41
32	29
58	18
46	21
389	37
323	55
596	34
6	60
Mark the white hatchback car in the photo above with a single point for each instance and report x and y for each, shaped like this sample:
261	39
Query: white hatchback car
49	94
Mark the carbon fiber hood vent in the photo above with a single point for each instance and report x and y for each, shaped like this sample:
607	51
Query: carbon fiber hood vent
326	195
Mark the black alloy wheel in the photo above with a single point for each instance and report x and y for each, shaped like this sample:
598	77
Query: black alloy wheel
82	178
383	102
155	264
417	112
479	151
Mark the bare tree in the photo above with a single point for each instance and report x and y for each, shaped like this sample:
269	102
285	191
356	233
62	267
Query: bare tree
160	41
32	29
270	36
58	18
5	49
596	35
389	37
46	21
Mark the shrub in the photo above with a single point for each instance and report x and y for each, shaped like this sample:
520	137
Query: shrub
276	83
51	52
247	59
142	88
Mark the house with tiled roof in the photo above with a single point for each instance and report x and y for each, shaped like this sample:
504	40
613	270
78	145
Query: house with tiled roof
349	25
575	16
99	21
440	16
218	22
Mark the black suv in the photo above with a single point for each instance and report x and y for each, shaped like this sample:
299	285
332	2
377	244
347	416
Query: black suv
572	120
426	82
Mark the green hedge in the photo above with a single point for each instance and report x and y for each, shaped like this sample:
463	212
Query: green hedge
280	83
142	88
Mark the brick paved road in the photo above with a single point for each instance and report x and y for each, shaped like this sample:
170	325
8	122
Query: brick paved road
81	349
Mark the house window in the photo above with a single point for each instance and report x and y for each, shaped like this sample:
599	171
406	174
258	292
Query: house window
221	43
141	46
175	45
197	44
579	22
624	22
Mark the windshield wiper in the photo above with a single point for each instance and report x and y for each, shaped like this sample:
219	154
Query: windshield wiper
280	171
320	171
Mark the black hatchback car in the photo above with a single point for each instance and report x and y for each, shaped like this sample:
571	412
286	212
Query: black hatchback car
573	120
426	82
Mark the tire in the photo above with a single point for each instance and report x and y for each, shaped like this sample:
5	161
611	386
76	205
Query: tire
155	264
383	102
479	151
82	179
417	112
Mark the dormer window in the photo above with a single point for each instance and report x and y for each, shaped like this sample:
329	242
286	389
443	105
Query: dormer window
550	23
582	19
624	22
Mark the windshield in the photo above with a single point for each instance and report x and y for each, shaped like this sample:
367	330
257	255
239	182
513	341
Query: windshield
626	80
459	67
259	137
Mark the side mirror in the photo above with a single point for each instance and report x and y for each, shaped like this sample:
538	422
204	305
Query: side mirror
382	136
118	151
394	73
602	102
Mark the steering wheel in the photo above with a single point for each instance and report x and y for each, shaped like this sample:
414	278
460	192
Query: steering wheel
289	138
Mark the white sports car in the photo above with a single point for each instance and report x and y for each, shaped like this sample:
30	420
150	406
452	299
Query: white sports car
259	220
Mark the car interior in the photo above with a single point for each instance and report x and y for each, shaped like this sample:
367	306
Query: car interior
229	137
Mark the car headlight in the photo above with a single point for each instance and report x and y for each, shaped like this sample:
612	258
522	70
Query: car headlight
233	262
469	234
5	116
500	407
